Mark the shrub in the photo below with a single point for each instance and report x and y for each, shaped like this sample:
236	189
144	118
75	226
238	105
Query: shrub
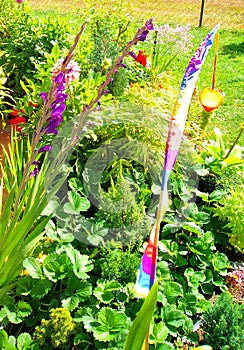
223	324
56	331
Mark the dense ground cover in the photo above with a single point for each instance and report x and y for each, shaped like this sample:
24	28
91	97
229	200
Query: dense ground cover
69	255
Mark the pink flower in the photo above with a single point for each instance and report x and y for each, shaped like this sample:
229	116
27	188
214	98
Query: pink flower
19	1
234	278
72	71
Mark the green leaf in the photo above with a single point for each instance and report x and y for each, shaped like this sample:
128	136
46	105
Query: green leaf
220	262
172	290
140	326
159	334
17	312
81	263
104	291
76	203
172	317
56	266
217	195
192	227
84	291
41	288
3	338
23	341
89	322
111	323
33	268
70	303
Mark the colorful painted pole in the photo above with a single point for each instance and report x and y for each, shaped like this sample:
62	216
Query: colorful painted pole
147	270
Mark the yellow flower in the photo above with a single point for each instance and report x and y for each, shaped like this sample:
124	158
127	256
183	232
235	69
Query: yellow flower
211	99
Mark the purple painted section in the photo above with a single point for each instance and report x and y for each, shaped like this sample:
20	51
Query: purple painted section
170	158
147	266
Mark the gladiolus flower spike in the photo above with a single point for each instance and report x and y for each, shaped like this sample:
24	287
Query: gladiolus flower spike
65	71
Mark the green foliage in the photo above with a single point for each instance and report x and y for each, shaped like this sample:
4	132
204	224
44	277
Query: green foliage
23	341
15	237
56	331
28	41
230	211
223	324
5	94
216	156
120	264
140	326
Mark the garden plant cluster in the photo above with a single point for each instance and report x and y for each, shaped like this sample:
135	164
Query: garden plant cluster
87	101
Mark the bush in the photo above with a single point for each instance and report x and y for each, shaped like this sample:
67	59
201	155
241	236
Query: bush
223	324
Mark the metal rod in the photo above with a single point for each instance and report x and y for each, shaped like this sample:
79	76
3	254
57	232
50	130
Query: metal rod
201	13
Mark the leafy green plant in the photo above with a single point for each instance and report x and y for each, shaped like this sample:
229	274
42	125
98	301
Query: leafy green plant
140	325
22	342
230	211
223	322
29	39
56	331
216	156
5	95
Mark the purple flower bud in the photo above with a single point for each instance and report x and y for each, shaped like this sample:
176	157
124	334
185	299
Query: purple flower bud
60	78
19	1
58	109
105	92
36	169
36	162
34	172
143	35
149	24
121	65
43	95
132	54
45	149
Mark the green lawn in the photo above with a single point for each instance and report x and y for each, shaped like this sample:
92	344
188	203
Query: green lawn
229	78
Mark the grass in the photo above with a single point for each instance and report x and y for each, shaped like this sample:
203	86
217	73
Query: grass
229	78
230	14
230	75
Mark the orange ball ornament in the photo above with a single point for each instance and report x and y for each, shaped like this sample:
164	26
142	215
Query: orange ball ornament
211	99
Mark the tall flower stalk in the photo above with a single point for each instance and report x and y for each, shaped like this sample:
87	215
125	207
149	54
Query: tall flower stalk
21	225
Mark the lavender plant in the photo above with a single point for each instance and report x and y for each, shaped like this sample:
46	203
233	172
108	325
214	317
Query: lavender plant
21	226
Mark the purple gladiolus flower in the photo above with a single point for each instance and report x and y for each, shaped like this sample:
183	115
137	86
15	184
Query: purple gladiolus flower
123	65
132	54
60	78
57	110
149	24
143	36
45	149
36	168
43	95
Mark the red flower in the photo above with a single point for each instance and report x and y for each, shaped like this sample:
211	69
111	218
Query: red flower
14	112
141	58
33	104
16	121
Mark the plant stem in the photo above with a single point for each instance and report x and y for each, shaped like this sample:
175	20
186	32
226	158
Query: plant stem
235	142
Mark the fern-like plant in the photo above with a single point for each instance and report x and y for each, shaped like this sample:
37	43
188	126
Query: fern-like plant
223	324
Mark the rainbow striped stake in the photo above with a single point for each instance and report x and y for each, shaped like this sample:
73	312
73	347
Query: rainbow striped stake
147	270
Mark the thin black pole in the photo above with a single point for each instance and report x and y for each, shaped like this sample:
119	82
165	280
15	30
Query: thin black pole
201	13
